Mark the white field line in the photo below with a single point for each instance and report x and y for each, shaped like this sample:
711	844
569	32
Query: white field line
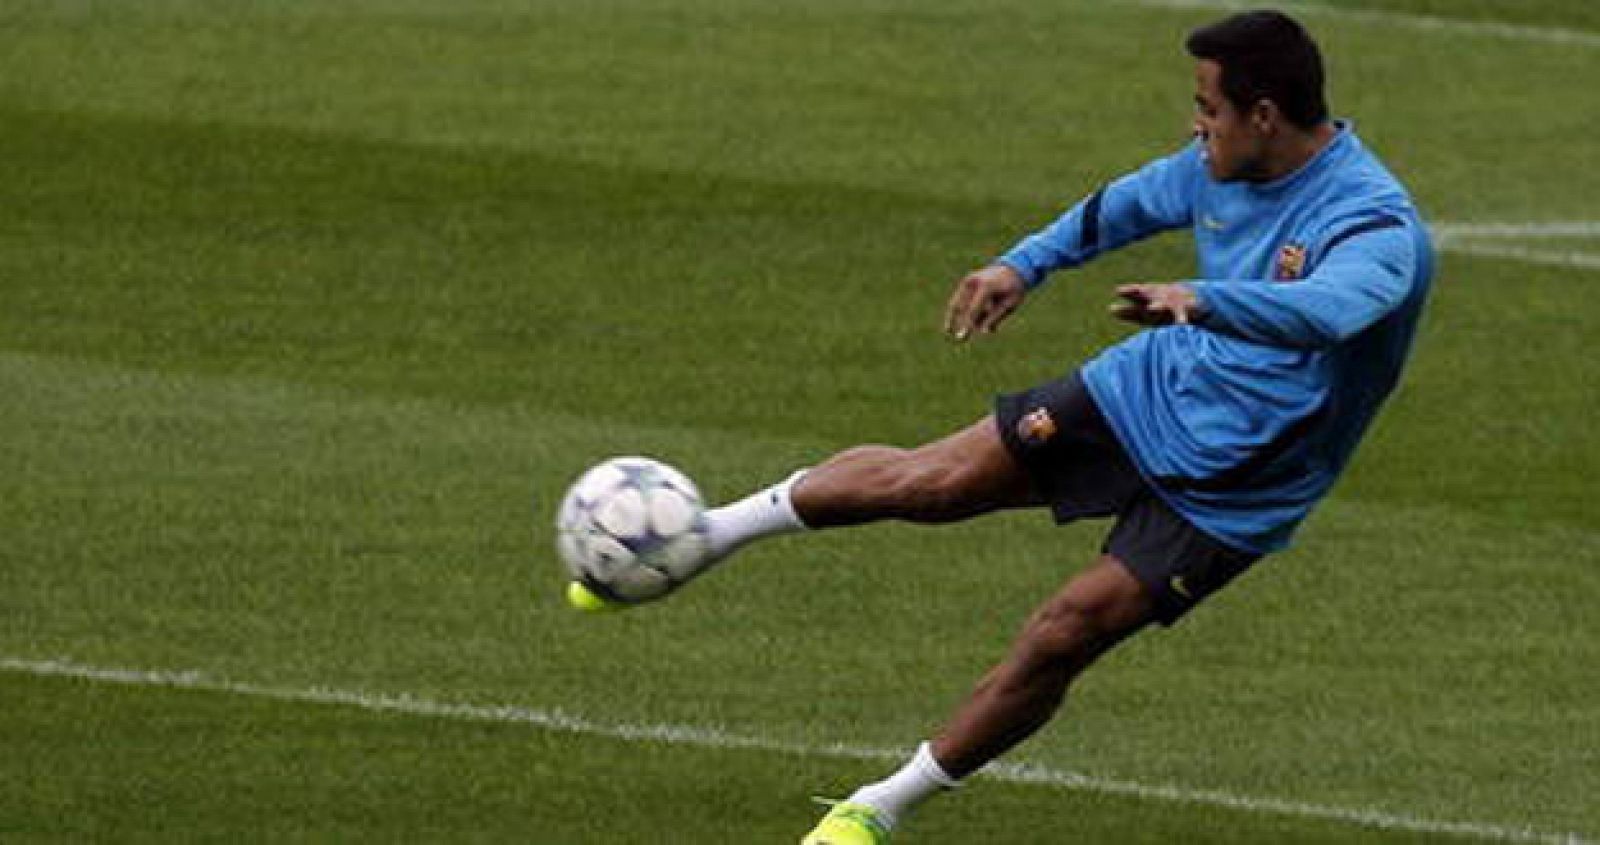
1527	230
1427	23
1527	255
709	737
1526	241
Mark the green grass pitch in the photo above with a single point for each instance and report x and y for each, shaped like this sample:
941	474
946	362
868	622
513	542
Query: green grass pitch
311	310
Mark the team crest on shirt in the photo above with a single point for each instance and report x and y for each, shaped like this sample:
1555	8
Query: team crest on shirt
1291	262
1037	427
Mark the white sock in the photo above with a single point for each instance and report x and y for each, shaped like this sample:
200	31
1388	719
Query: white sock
760	514
919	779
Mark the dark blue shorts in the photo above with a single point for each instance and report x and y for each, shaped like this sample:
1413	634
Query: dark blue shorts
1056	432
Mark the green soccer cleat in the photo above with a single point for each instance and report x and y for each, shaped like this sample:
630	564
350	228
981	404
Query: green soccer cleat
849	824
585	599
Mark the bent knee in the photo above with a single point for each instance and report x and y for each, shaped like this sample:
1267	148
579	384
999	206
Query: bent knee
1062	629
1074	632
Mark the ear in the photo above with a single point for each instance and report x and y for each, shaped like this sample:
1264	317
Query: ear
1265	116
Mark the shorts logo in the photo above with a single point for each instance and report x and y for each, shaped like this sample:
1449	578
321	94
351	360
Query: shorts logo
1291	263
1037	427
1180	585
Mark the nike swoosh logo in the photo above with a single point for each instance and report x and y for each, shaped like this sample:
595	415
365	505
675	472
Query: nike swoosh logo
1212	223
1181	587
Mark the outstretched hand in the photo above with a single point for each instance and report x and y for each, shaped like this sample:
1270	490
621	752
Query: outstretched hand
982	300
1157	304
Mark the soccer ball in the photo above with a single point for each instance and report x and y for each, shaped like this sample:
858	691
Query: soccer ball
632	530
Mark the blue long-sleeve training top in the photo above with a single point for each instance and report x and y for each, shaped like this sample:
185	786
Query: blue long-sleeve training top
1310	287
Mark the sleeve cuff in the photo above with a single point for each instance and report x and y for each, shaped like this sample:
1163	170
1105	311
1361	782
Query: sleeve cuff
1031	276
1202	312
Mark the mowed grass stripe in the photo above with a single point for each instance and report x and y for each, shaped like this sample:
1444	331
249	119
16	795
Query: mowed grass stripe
875	93
252	528
1394	13
486	275
624	293
711	738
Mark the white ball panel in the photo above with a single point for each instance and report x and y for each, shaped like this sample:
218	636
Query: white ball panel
571	515
574	552
623	514
597	482
682	557
670	513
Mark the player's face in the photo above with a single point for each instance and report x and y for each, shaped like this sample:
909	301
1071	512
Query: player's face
1235	145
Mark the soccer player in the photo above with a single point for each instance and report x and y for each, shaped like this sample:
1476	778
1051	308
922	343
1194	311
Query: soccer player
1206	438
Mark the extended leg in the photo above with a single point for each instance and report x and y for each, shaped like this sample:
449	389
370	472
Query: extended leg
963	475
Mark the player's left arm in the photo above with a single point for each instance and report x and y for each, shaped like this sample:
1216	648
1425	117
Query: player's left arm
1361	278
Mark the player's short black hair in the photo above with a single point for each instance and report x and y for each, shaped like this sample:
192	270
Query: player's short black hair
1266	55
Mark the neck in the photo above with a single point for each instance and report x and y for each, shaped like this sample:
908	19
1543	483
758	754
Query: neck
1295	148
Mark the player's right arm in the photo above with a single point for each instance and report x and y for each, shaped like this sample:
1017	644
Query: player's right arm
982	300
1155	198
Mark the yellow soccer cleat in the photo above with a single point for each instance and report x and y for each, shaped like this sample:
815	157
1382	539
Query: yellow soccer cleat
583	598
849	824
